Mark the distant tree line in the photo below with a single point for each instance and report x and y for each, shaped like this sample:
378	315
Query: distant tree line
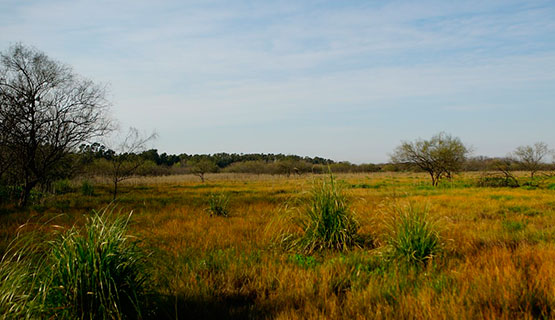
257	163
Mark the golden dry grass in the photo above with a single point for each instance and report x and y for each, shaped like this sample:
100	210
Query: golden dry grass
498	259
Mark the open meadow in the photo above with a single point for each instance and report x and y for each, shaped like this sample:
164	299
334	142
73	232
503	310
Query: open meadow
494	256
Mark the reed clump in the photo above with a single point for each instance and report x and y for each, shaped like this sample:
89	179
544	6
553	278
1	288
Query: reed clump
326	220
97	271
413	235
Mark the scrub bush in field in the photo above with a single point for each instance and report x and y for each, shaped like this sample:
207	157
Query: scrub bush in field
218	204
326	221
62	187
87	189
413	236
94	272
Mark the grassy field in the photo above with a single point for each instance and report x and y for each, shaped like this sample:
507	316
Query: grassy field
496	256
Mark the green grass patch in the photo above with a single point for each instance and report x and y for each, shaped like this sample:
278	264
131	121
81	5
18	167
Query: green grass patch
513	225
527	211
303	261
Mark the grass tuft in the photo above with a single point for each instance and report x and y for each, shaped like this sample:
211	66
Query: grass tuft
325	221
218	204
94	272
412	234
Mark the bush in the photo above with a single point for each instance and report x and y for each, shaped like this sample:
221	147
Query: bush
97	272
62	187
498	182
413	235
326	220
218	204
530	185
87	189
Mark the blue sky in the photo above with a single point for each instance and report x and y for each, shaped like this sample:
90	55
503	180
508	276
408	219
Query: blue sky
346	80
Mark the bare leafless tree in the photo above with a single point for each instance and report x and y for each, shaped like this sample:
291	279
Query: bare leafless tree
532	157
46	111
126	160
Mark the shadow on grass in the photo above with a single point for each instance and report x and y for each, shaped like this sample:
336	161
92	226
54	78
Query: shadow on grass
231	306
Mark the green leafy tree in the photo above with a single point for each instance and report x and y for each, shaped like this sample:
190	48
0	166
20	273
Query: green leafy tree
441	156
202	166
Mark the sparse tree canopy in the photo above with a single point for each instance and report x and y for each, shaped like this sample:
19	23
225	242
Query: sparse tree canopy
531	157
46	111
125	161
201	167
441	156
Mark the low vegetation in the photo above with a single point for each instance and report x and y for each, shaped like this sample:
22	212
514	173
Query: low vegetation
93	272
413	235
325	220
218	204
471	251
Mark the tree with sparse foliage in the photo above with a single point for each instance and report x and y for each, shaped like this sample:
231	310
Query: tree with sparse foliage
46	112
532	157
441	156
201	167
126	160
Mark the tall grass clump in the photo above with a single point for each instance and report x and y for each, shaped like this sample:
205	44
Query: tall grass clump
218	204
413	235
325	220
19	267
94	272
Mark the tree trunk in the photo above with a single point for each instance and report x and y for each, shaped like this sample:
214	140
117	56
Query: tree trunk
26	193
115	189
433	178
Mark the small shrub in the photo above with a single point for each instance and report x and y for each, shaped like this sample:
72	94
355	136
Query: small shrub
326	221
530	185
62	187
218	204
413	236
498	182
551	186
9	193
87	189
